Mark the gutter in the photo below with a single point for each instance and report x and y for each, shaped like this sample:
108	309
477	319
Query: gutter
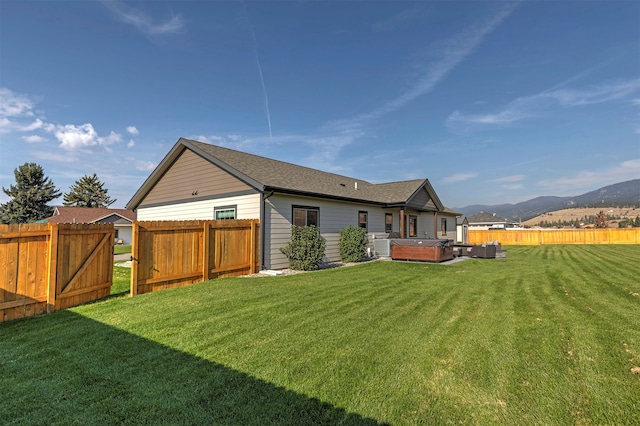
263	237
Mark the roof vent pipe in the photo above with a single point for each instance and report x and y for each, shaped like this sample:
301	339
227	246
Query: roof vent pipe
356	185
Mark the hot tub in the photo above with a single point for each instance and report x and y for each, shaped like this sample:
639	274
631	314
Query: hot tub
428	250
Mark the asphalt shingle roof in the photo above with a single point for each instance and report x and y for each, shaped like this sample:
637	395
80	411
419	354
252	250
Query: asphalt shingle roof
483	217
275	174
87	215
266	174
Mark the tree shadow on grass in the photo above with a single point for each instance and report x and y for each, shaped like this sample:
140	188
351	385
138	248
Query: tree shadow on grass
69	369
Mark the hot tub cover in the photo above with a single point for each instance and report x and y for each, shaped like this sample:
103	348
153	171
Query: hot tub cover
426	242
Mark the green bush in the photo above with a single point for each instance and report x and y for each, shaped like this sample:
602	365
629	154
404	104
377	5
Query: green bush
353	243
306	248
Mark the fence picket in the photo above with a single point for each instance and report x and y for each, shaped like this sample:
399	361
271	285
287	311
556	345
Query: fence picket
557	236
35	264
178	253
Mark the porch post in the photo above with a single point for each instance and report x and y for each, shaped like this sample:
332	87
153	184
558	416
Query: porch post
402	230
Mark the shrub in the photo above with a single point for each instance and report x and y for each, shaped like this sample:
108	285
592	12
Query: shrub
306	248
353	243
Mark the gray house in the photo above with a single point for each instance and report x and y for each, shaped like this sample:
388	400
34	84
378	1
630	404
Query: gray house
121	219
196	180
485	221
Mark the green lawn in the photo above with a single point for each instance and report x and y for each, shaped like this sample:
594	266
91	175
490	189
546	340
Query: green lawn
121	249
121	280
549	335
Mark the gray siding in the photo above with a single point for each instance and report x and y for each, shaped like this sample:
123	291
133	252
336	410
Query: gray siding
425	225
451	227
190	173
334	215
422	201
115	219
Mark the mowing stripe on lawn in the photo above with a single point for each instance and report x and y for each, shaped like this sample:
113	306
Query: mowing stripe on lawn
547	336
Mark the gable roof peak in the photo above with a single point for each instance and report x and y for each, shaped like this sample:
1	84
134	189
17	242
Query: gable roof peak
266	174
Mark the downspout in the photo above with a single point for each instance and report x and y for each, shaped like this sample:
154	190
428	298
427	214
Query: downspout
262	229
435	225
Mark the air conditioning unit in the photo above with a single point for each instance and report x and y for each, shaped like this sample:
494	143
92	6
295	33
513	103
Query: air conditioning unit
382	247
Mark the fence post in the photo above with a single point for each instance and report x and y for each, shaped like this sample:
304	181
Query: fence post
52	276
205	250
135	245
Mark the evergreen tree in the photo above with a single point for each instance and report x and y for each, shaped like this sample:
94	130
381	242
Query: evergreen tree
88	191
30	195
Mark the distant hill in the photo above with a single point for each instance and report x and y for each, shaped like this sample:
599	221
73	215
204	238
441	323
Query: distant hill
616	195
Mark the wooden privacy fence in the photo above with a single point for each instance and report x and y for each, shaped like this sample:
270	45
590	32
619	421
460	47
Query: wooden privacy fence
557	236
176	253
48	266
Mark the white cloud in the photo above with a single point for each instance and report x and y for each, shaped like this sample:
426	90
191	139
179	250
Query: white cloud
74	137
111	139
325	146
513	178
33	139
232	141
145	166
132	130
14	104
55	157
6	125
14	108
451	53
516	186
131	144
626	170
540	103
144	23
326	149
37	124
458	177
594	95
213	139
502	117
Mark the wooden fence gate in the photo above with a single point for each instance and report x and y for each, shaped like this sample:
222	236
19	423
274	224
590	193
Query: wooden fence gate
47	266
176	253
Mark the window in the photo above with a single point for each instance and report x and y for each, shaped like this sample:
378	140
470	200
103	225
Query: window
388	222
443	226
362	219
305	216
225	213
413	226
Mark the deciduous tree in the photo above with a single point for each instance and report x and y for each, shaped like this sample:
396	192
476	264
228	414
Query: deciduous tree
30	195
601	219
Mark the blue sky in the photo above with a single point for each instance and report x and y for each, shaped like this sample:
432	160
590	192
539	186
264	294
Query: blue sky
494	102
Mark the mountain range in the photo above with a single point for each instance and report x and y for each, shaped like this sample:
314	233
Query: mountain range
620	194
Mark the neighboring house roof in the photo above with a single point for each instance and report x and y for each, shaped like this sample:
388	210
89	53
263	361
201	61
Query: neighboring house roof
462	220
265	175
451	211
90	215
483	217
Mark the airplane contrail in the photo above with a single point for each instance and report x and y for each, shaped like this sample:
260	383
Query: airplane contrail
257	57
